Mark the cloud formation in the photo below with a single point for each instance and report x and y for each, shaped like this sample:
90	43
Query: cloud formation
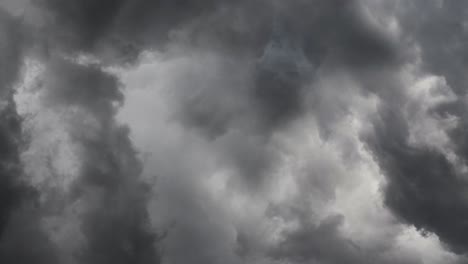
232	132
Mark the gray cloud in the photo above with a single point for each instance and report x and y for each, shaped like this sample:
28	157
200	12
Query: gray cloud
21	238
423	187
426	187
114	221
440	38
291	109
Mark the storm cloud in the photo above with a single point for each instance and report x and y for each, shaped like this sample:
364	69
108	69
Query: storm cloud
321	131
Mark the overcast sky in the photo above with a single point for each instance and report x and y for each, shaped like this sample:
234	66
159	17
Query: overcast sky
233	132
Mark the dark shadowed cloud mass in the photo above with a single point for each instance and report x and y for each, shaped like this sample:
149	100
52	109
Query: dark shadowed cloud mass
215	131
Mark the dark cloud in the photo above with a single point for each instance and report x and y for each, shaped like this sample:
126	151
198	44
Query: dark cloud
12	37
318	244
340	30
117	29
115	223
10	51
439	28
282	71
251	96
425	187
247	75
295	40
22	240
12	191
323	242
97	91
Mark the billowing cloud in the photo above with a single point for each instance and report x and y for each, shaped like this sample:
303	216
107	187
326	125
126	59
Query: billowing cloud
417	139
232	132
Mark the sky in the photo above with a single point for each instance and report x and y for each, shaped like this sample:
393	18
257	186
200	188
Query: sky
233	132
